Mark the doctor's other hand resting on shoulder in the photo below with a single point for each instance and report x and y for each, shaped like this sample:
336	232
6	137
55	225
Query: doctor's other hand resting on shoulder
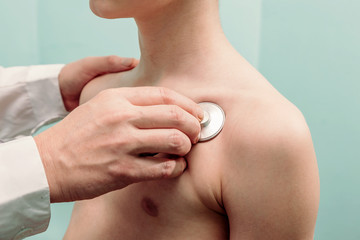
100	146
74	76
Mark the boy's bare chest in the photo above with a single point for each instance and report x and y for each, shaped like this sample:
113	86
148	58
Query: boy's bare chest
186	207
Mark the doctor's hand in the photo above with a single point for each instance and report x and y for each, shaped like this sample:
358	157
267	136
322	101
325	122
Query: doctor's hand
112	140
74	76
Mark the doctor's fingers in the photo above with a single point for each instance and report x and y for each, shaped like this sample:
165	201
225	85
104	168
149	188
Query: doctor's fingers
168	116
95	66
167	141
146	96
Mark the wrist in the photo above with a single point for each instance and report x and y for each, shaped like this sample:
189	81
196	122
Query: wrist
43	143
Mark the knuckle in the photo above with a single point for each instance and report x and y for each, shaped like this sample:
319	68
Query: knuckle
165	95
112	60
112	108
129	142
167	169
123	174
134	115
106	94
178	143
101	94
109	117
122	143
176	114
111	91
130	175
119	120
124	116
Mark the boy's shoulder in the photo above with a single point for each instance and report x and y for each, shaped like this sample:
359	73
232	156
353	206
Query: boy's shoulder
270	179
107	81
266	120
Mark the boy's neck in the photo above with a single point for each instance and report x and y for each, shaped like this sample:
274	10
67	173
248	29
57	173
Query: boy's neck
181	40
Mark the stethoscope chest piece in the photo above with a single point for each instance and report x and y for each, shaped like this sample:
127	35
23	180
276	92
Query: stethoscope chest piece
213	121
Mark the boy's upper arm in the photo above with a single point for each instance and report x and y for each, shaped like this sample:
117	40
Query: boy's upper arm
271	187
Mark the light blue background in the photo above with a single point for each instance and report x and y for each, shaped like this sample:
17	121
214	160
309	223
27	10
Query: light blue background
308	49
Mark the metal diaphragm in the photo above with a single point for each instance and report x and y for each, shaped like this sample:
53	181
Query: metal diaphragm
213	121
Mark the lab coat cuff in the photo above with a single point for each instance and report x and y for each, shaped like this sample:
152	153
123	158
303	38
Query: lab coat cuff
25	196
43	88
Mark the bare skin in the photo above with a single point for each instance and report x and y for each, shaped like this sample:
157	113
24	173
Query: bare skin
257	179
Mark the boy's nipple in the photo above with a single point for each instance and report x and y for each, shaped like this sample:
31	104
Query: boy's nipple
149	207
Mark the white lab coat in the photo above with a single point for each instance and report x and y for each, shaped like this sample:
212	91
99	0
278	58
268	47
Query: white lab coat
29	98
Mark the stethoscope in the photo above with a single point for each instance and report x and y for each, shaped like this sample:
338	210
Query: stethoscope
213	121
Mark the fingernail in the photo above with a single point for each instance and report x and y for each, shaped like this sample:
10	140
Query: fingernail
197	138
200	113
180	167
184	165
127	62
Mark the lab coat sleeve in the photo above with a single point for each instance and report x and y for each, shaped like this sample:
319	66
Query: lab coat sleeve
24	191
29	98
